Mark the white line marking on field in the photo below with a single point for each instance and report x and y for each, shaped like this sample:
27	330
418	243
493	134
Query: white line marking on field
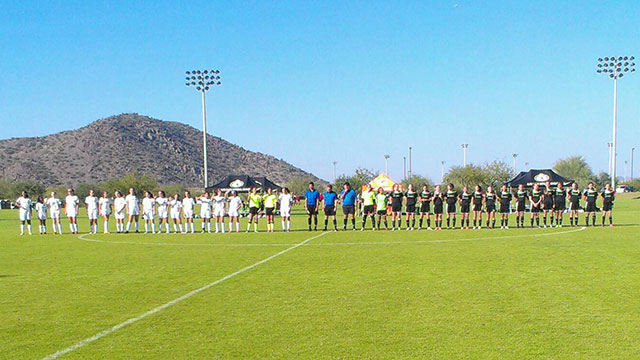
172	302
83	238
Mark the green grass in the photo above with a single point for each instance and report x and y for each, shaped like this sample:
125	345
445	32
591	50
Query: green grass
452	294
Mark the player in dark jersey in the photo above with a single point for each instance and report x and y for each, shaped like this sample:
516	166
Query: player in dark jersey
559	197
452	198
547	204
590	197
490	204
465	204
438	204
425	199
505	206
608	196
478	197
574	196
521	203
396	206
535	199
410	208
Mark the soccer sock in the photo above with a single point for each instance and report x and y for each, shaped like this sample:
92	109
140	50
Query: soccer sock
429	222
538	221
146	227
289	225
335	224
326	221
29	228
193	228
217	227
315	221
283	225
345	223
420	223
475	221
137	226
153	227
222	226
237	225
166	227
255	226
21	228
393	223
364	220
551	223
106	226
454	223
373	221
209	226
610	221
249	225
353	222
385	223
413	223
571	220
593	219
309	222
448	222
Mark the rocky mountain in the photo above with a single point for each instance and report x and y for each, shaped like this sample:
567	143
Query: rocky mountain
171	152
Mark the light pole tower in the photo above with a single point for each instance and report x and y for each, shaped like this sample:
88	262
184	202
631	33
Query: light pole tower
610	145
203	80
442	176
632	150
615	68
386	164
514	161
334	170
404	167
410	172
464	154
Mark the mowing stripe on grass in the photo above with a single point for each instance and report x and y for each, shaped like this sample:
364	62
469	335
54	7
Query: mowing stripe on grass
172	302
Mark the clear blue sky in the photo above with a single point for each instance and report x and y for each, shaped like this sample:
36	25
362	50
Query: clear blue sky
313	82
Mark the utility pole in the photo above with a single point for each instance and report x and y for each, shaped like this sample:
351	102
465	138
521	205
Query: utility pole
442	176
410	172
334	171
404	167
632	150
514	162
610	145
386	164
464	154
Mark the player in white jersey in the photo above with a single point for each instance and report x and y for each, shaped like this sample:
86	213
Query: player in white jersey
71	203
286	200
148	212
175	206
188	205
219	204
163	211
119	205
133	209
91	202
41	212
23	203
54	204
205	211
235	204
104	205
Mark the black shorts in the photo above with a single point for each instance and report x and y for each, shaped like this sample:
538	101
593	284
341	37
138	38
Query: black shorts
575	206
464	208
329	210
253	210
451	208
608	206
591	207
477	207
312	209
368	209
491	208
424	208
548	205
348	209
437	208
558	206
505	208
520	207
411	209
269	210
396	207
535	209
382	212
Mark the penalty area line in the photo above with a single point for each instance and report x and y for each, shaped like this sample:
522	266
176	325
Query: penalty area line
130	321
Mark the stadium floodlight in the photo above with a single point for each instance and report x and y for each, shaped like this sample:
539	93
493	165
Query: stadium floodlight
386	164
514	161
334	170
616	71
442	176
203	83
464	154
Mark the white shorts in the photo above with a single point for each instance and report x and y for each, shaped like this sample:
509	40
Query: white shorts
175	214
107	213
233	213
55	214
285	212
134	212
148	215
42	217
119	215
72	213
218	212
205	214
92	215
188	214
162	214
25	215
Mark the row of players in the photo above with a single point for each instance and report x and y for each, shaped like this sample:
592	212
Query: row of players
550	202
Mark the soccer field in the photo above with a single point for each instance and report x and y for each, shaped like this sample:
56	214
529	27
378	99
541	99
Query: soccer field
517	293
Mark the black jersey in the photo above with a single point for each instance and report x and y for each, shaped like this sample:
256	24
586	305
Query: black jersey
396	198
608	196
411	197
559	196
477	198
521	196
505	197
574	196
491	198
548	196
425	196
438	198
536	195
465	198
452	197
591	195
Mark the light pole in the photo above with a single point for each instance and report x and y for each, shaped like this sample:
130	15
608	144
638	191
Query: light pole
632	150
410	172
386	164
526	166
442	176
203	80
464	154
514	161
610	145
615	67
334	171
404	167
624	176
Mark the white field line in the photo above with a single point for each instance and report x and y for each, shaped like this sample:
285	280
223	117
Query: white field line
82	237
172	302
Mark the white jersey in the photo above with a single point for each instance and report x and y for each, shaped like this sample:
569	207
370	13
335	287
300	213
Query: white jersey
105	206
285	202
132	204
70	205
147	205
187	207
176	206
219	203
54	206
235	203
24	204
205	207
119	204
41	211
92	203
163	207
